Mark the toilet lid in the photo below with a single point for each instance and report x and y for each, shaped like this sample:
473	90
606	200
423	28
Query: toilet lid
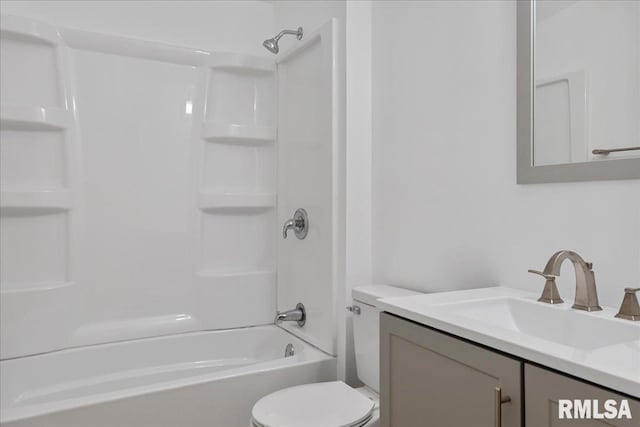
313	405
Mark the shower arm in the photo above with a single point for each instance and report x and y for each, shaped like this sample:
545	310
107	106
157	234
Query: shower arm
297	33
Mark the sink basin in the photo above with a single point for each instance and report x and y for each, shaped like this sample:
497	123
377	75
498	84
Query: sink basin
558	324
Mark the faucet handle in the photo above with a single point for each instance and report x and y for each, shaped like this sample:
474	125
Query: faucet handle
545	275
550	294
299	224
629	309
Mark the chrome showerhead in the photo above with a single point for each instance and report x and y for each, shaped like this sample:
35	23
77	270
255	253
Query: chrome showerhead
272	44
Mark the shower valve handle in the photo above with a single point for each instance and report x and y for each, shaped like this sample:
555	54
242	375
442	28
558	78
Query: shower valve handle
299	224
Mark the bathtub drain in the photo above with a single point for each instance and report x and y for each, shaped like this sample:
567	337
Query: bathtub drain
289	351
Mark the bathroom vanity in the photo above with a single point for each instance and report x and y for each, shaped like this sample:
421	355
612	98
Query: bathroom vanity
497	357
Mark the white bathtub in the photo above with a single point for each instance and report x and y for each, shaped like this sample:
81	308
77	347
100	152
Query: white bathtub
197	379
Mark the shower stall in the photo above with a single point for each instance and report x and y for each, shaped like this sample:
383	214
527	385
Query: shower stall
143	193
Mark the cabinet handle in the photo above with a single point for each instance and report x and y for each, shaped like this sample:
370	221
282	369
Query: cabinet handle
498	401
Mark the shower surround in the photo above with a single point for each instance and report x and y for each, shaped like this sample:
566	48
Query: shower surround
138	189
138	197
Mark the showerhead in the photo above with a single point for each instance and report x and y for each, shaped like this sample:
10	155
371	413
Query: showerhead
272	44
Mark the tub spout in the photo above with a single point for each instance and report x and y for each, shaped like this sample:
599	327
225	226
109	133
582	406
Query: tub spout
298	315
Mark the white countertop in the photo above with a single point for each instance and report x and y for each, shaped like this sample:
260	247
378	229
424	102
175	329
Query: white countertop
601	360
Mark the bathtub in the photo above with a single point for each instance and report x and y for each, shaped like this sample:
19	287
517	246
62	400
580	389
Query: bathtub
197	379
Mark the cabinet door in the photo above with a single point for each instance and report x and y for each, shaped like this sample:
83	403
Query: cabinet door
543	390
430	379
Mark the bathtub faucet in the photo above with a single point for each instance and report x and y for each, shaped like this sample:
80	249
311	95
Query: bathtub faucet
298	314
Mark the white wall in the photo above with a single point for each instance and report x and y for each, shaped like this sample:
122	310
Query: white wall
229	26
447	213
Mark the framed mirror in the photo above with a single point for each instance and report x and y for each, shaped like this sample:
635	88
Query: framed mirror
578	90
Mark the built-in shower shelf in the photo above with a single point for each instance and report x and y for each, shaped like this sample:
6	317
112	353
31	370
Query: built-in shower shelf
33	118
230	133
242	63
214	201
209	273
35	202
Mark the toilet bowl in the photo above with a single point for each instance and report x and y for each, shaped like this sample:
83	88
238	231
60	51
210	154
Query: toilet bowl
334	403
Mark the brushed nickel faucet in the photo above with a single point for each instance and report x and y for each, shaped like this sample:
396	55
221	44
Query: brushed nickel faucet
586	297
629	309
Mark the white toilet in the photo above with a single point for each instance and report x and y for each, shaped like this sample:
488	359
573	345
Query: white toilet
334	403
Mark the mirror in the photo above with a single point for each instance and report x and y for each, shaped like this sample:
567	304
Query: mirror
578	90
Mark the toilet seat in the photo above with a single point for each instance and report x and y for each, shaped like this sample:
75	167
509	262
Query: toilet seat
332	404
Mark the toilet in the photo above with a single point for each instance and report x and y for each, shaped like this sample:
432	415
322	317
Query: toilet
334	403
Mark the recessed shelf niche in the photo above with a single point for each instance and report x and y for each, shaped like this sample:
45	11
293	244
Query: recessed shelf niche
241	91
32	160
34	246
28	56
237	189
239	168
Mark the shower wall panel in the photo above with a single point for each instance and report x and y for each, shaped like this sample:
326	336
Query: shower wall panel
133	203
310	176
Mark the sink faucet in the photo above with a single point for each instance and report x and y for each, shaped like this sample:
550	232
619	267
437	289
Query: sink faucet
586	295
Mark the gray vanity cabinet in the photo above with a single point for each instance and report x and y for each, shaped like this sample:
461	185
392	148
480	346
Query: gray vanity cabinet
543	390
432	379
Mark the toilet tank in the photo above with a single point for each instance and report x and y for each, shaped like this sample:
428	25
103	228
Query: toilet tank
366	330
